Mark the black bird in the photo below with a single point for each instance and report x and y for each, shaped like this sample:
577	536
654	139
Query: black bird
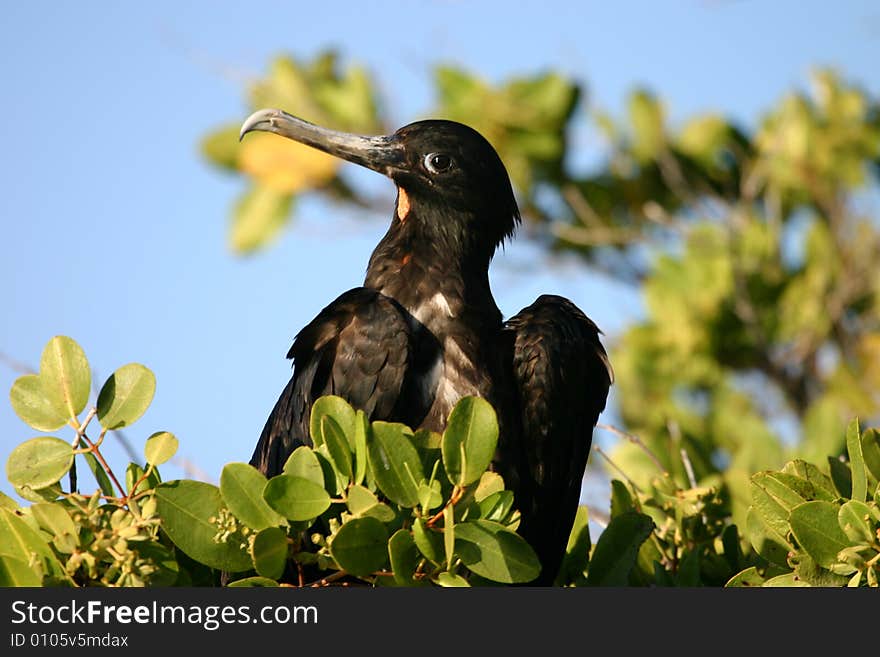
424	330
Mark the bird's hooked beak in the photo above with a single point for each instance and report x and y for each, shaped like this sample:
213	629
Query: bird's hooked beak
382	154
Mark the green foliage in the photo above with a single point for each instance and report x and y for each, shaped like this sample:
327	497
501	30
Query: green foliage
379	504
765	309
279	169
811	531
404	524
125	396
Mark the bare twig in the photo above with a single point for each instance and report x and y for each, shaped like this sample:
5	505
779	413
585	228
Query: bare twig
599	517
583	210
633	439
94	449
15	365
326	581
598	236
675	432
688	467
191	470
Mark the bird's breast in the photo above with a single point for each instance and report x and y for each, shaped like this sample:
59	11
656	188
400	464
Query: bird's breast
451	375
455	346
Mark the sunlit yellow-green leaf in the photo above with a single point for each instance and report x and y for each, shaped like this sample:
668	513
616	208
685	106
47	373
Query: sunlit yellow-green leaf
39	462
65	376
125	396
160	447
258	217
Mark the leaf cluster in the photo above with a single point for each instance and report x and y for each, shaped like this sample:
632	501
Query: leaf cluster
372	502
378	504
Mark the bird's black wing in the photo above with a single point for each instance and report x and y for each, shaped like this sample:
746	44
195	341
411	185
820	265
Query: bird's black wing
562	374
360	348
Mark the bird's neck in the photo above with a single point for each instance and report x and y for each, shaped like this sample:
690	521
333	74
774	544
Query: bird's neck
436	275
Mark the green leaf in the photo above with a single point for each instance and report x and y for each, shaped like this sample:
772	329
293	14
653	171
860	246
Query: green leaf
395	463
360	547
190	512
787	580
361	431
745	578
490	482
15	572
428	445
577	551
221	146
133	474
469	440
770	545
817	531
258	217
337	446
269	552
494	552
160	447
703	136
303	462
821	487
362	502
54	518
20	541
730	543
688	573
449	535
125	396
296	498
7	502
39	462
360	499
429	542
47	494
31	405
807	570
451	580
497	506
430	496
339	410
774	495
854	519
841	476
621	500
871	451
857	462
332	483
253	582
646	116
617	549
242	486
404	557
65	376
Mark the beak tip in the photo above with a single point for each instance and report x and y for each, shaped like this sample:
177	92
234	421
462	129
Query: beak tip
259	120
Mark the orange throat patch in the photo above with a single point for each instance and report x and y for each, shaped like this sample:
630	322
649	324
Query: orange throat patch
402	204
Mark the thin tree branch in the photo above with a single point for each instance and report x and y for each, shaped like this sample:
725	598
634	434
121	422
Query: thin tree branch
633	439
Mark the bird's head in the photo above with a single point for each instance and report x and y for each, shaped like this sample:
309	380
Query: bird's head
450	179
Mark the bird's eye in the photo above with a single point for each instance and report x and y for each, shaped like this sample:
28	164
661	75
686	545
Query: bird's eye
438	162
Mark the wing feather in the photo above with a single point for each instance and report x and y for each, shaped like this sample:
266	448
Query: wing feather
360	348
562	374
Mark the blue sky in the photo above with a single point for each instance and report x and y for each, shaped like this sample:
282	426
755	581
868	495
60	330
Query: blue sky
114	228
